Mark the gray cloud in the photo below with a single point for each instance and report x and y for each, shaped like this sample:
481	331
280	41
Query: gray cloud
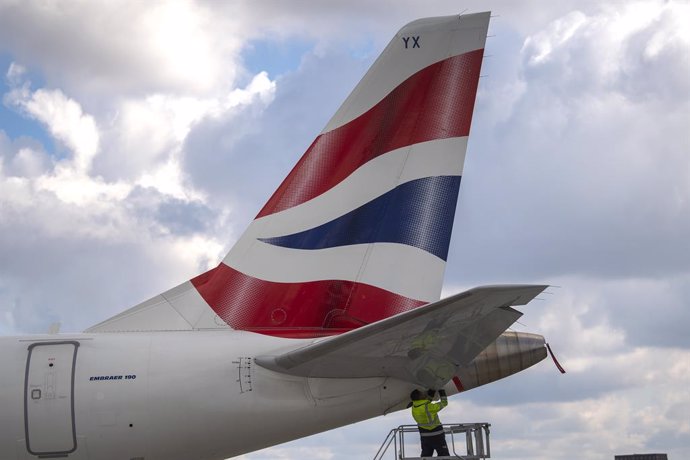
168	214
22	157
128	48
572	172
653	312
74	275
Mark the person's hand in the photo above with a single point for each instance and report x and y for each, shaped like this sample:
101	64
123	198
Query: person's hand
442	392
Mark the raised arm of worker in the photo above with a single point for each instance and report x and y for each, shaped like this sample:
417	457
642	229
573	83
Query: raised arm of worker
443	402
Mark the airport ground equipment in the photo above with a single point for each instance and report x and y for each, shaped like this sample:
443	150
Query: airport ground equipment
475	436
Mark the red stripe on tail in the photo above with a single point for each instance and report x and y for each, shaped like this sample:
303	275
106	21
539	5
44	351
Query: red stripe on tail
307	309
435	103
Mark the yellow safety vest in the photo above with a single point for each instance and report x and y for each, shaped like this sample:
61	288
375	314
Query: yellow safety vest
425	413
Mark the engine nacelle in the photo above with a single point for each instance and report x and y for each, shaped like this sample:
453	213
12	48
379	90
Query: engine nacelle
509	354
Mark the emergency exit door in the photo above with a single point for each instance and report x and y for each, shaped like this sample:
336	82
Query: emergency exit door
49	399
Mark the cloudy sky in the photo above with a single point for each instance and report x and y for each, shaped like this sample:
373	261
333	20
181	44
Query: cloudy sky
138	139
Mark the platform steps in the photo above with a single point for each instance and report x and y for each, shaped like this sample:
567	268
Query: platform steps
466	441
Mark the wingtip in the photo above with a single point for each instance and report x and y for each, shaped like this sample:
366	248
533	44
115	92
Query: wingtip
524	293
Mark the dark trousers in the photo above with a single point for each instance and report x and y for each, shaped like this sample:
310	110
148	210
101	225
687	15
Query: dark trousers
434	443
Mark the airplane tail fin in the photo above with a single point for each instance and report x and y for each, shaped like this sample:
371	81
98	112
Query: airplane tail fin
360	228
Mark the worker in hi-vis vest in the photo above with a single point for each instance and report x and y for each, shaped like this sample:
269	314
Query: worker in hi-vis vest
425	413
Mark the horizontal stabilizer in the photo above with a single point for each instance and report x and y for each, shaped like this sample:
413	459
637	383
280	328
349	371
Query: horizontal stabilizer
424	346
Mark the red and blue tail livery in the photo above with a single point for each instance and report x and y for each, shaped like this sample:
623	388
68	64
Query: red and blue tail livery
360	228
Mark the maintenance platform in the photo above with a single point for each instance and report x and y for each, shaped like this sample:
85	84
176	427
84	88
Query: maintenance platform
466	441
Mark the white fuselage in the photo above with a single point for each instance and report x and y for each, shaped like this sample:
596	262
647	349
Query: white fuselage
167	395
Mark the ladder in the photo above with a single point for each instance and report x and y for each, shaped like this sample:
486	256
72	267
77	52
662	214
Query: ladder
474	435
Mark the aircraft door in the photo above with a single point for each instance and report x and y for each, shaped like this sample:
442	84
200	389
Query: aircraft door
49	399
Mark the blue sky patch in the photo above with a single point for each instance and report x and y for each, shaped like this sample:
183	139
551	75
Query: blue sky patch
275	57
14	124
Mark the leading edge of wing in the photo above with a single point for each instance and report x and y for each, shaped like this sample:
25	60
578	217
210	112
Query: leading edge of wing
424	346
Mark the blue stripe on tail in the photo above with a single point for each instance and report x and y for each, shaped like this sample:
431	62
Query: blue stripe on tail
418	213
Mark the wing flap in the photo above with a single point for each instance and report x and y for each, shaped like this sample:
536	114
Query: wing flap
424	346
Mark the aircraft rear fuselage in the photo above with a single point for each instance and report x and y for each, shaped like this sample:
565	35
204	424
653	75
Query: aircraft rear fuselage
182	395
166	395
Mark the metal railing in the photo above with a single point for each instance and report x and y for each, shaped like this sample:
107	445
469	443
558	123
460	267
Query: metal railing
474	435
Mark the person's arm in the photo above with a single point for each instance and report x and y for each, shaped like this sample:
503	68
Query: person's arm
444	398
435	407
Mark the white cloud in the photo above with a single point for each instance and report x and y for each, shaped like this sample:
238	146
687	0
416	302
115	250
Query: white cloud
126	47
22	158
77	197
64	119
71	187
543	44
180	44
147	134
168	180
